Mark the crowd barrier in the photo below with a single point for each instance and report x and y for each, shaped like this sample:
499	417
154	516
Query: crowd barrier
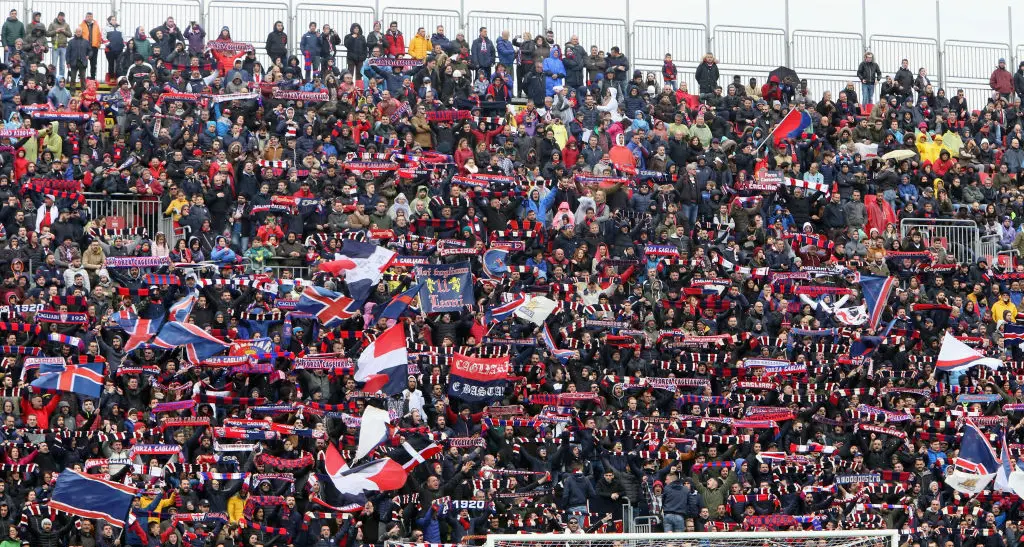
130	212
961	238
819	55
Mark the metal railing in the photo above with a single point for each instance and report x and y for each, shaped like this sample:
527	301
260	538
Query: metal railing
961	238
278	269
131	212
818	55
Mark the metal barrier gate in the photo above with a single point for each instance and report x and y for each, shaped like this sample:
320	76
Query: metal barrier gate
133	212
961	238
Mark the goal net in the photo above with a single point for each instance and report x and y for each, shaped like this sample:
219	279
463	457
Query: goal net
833	538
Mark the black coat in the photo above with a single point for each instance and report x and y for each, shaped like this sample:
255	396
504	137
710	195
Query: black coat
78	52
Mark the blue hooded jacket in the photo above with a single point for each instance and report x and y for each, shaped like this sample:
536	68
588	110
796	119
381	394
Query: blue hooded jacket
554	69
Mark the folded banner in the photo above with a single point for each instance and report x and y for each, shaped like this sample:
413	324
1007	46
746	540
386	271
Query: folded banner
478	379
445	287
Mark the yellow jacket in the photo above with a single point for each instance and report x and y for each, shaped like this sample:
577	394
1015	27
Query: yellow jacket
235	507
999	307
419	47
174	208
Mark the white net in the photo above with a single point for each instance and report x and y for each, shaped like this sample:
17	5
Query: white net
862	538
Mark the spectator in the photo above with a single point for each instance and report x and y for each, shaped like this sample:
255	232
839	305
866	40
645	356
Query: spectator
91	33
78	58
59	32
310	47
277	44
869	74
393	40
483	53
1001	81
12	30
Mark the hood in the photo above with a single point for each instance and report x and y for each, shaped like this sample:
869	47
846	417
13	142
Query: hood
556	52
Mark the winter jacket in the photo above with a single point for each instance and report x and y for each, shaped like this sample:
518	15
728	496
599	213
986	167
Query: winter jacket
59	33
310	44
869	72
707	77
577	490
506	52
612	62
482	53
1001	81
355	46
277	44
575	61
196	39
11	31
674	498
78	52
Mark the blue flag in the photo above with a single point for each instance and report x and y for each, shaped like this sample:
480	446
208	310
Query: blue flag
90	497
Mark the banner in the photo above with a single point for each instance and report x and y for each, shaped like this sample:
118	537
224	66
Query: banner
478	379
445	287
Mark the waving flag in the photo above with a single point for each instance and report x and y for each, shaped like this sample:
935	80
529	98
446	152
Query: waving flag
334	463
140	331
496	263
400	303
417	450
1013	334
373	430
955	356
92	498
199	345
792	126
1007	468
377	476
84	379
497	314
976	466
182	308
368	262
329	307
562	355
536	309
384	363
876	291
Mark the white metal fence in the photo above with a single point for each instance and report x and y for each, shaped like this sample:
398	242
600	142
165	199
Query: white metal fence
961	238
131	212
821	55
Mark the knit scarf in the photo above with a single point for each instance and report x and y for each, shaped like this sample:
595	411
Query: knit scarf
72	341
62	318
281	463
448	115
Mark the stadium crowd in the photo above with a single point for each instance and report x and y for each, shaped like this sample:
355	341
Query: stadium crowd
715	359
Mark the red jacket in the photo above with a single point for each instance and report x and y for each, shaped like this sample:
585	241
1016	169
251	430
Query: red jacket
395	43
